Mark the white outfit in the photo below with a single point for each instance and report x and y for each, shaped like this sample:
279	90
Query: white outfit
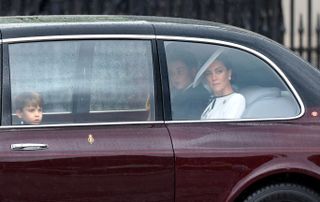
225	107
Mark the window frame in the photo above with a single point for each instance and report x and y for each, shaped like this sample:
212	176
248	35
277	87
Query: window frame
6	121
168	119
161	88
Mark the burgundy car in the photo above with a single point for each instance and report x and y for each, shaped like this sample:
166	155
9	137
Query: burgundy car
123	108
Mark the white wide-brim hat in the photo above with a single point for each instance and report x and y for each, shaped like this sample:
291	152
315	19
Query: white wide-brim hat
198	78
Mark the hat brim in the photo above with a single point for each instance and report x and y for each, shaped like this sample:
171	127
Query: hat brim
205	66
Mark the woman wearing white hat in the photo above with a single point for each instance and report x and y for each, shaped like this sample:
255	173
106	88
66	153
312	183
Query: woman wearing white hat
226	103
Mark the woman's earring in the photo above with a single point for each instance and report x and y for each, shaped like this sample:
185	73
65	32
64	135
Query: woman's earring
229	77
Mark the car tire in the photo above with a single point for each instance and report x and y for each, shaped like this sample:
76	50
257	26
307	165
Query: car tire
284	192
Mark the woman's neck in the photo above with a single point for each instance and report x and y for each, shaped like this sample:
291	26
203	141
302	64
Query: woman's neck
226	91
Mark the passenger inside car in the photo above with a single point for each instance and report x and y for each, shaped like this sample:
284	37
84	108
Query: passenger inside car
182	70
29	108
226	103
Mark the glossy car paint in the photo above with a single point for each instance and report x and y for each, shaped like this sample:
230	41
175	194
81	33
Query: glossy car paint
216	159
213	161
124	163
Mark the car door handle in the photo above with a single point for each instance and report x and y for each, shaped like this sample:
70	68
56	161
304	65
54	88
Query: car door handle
28	147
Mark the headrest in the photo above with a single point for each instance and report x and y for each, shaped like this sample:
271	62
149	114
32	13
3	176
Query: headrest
254	93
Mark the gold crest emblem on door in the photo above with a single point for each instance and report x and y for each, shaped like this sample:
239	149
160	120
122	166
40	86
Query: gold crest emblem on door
90	139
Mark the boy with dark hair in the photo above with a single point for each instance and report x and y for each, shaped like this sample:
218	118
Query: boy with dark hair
29	108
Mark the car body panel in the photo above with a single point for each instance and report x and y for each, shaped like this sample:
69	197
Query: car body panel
213	158
124	163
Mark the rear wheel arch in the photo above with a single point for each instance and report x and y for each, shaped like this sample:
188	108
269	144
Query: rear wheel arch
304	180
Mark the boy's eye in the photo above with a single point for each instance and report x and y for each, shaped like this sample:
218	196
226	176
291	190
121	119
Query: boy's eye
31	110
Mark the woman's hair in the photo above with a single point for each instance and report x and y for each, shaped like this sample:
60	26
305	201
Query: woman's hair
225	60
28	99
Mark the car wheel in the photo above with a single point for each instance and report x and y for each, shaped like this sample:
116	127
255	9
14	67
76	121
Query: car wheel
284	192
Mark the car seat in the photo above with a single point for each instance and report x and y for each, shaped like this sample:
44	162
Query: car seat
268	102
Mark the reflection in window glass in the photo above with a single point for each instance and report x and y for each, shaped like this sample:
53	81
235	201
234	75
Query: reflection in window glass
47	68
83	81
122	81
212	82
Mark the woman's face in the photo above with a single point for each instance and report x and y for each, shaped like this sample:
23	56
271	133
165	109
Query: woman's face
218	78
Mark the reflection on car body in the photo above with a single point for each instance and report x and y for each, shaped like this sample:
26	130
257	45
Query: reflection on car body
111	130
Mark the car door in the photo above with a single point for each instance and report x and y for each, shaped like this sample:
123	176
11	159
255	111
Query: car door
215	155
102	136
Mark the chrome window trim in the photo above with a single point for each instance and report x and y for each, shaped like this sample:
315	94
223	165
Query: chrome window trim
257	54
83	124
160	37
93	112
76	37
119	110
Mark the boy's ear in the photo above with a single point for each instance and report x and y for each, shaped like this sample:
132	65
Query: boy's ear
19	113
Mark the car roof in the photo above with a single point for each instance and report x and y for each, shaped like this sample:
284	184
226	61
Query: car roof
12	21
21	22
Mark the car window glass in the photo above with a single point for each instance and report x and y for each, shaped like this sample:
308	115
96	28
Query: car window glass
211	82
82	81
125	86
38	66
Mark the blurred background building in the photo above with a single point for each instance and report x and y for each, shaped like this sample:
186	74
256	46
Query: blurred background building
294	23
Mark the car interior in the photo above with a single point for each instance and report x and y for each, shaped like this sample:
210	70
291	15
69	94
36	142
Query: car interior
268	102
266	94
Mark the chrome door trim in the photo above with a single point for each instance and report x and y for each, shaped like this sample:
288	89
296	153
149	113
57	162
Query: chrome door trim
84	124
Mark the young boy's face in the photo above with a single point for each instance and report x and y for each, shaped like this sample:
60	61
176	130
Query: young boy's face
30	114
181	76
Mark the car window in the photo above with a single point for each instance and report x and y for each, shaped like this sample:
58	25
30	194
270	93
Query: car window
212	82
82	81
